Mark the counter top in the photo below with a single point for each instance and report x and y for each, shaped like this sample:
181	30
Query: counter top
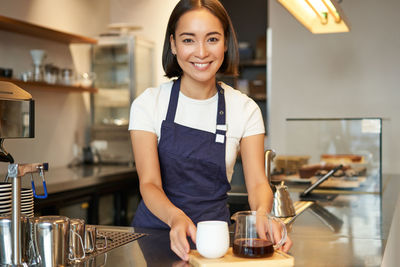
351	230
61	179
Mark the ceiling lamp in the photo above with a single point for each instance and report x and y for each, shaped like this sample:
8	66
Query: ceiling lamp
318	16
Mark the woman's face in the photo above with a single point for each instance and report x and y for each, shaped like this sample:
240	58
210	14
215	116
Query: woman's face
199	45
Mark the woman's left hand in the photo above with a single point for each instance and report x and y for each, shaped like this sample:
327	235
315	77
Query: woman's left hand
262	225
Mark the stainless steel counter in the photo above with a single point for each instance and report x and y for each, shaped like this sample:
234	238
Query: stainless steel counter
349	231
61	179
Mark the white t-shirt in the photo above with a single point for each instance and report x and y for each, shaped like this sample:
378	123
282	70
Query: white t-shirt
243	116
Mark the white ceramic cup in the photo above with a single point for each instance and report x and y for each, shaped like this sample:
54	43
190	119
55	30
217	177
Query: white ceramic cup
212	239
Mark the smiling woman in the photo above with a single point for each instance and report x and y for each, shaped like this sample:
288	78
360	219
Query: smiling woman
199	47
186	133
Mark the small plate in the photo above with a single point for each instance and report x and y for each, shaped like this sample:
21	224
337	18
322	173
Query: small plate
5	185
5	189
5	202
4	197
5	210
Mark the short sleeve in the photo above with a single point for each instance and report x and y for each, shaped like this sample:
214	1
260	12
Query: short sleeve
254	122
142	111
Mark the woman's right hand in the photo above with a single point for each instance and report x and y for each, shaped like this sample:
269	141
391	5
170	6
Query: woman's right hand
181	227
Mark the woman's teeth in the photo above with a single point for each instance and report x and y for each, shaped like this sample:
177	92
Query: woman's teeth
200	65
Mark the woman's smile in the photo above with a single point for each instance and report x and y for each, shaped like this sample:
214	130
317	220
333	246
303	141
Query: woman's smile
202	66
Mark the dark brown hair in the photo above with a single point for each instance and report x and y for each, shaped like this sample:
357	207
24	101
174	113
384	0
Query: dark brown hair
231	57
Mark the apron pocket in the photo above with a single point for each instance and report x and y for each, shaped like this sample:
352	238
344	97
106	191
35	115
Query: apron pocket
190	176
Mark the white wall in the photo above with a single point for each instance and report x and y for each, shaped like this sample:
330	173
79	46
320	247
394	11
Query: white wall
60	117
354	74
152	16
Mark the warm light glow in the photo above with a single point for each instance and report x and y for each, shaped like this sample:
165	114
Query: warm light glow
318	16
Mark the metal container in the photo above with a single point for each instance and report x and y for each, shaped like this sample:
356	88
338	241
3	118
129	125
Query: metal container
91	236
90	239
52	237
283	205
77	233
6	240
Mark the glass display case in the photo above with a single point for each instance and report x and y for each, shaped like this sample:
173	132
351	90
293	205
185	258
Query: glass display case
124	68
316	146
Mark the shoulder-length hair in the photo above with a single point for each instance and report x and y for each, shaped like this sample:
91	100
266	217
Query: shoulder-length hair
231	57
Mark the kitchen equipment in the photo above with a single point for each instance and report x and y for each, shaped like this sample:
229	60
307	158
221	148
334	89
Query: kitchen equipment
86	79
212	238
16	113
282	205
278	259
16	172
91	236
51	73
67	76
52	235
38	56
77	233
26	241
16	108
26	200
248	242
90	239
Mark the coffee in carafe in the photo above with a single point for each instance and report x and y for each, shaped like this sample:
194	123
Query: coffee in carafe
253	248
249	242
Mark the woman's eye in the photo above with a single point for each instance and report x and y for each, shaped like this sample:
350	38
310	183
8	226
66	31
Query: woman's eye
213	39
187	40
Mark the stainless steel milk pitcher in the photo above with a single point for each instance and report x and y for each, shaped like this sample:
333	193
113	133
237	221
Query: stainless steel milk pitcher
52	234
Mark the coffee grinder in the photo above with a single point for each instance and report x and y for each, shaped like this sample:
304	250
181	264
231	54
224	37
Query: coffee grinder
17	121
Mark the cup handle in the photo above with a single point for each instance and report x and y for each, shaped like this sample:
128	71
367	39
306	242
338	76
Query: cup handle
283	233
34	258
105	241
83	248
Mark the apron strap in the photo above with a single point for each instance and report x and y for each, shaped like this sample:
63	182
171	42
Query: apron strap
221	123
173	100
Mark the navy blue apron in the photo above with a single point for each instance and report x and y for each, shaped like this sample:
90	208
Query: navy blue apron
193	168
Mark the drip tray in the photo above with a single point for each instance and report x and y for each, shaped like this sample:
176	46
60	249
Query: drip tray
114	239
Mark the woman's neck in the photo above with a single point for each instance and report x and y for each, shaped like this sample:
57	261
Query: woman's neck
198	90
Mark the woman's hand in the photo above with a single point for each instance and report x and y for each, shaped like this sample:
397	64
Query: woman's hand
263	225
181	227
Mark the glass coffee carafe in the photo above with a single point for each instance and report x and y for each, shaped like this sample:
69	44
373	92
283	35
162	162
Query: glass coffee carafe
254	236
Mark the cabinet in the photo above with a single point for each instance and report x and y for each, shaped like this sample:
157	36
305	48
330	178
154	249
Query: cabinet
25	28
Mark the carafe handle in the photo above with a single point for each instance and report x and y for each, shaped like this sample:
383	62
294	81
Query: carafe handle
283	233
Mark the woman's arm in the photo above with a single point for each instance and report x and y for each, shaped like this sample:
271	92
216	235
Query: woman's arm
259	191
147	164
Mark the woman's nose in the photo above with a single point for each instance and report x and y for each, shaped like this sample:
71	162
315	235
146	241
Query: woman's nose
202	51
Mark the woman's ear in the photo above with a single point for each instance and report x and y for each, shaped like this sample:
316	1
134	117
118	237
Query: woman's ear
172	44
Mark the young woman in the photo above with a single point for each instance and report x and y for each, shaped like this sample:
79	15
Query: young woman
186	133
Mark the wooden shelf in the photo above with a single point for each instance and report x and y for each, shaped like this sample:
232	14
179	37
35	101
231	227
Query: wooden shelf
22	27
46	86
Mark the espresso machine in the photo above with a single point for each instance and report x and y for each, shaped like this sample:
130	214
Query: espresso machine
17	121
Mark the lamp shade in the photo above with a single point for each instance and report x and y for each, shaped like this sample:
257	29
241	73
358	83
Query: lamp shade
318	16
